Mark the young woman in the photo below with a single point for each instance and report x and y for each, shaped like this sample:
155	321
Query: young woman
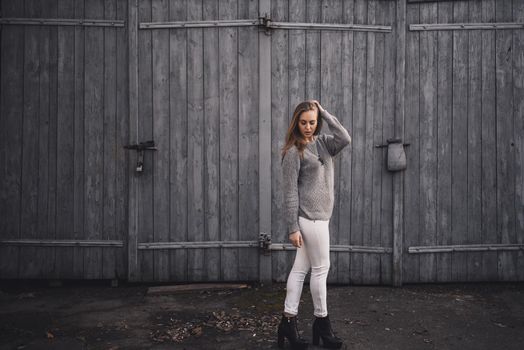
307	164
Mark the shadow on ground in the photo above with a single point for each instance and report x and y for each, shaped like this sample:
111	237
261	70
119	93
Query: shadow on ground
82	315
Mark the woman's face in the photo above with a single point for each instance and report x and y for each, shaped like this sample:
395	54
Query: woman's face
307	124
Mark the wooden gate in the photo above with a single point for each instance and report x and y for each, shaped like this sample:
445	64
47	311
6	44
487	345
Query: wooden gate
214	86
464	199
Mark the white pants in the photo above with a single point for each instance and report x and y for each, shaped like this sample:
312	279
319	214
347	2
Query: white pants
313	254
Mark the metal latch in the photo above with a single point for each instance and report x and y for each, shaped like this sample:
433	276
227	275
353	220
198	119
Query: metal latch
264	242
140	148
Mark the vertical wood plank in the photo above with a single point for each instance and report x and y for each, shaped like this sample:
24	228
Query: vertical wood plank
53	129
474	218
346	118
280	117
45	255
370	261
228	53
313	81
505	141
28	264
264	122
248	141
388	130
79	142
459	143
359	143
444	107
94	129
122	132
297	53
400	115
518	114
145	132
378	138
178	145
65	141
160	165
11	152
428	141
489	139
109	145
412	173
195	120
133	272
331	99
211	135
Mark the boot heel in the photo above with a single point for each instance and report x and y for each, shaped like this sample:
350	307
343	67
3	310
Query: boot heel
280	341
316	338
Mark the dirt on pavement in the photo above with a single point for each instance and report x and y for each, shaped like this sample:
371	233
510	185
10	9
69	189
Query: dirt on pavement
90	315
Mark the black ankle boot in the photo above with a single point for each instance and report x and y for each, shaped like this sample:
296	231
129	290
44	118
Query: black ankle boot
322	329
288	329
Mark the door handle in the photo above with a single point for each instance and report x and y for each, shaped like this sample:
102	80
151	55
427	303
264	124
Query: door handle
140	148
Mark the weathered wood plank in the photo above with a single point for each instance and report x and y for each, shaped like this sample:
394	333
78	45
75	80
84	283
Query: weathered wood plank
459	143
380	135
280	118
346	172
313	79
388	126
428	141
248	141
178	145
412	173
122	138
45	255
518	114
212	137
78	148
28	264
94	141
399	128
505	150
474	172
359	144
109	142
375	100
195	120
160	165
444	104
145	132
489	137
331	98
228	38
65	141
264	137
53	127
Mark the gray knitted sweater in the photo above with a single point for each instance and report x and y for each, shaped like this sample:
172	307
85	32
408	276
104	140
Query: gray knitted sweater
308	181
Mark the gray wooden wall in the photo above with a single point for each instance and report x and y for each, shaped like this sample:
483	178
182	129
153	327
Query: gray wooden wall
464	119
63	120
72	205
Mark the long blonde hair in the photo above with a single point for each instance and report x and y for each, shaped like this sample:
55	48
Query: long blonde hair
293	135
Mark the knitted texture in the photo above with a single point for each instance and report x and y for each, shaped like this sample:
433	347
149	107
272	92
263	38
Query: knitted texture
308	181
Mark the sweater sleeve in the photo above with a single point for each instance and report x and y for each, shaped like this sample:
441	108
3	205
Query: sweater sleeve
340	138
290	171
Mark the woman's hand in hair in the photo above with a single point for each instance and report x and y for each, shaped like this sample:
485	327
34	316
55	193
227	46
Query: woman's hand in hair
296	239
318	105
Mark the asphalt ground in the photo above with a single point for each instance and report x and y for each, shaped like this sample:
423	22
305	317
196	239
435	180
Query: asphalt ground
93	315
